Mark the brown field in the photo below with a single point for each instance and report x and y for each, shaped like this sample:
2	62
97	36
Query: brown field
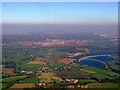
85	74
70	86
48	60
25	85
96	84
36	62
0	69
38	58
67	60
7	70
46	77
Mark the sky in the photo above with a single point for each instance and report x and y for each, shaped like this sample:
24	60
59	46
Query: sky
27	17
60	13
60	0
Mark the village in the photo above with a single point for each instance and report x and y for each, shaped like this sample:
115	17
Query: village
53	42
48	70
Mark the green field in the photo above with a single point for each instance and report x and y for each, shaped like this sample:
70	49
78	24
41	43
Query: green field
10	79
31	67
29	80
107	85
114	65
4	85
102	71
54	79
0	80
55	65
61	62
85	81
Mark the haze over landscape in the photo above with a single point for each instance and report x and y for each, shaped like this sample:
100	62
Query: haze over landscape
60	45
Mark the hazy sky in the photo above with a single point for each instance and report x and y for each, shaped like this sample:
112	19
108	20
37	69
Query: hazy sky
100	13
28	17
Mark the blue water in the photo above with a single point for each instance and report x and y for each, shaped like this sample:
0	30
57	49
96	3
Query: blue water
105	52
93	63
100	58
103	58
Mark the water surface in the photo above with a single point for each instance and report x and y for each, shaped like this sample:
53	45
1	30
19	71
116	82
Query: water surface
93	63
103	58
111	52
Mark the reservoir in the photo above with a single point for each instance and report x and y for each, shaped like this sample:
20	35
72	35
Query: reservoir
93	63
111	52
101	59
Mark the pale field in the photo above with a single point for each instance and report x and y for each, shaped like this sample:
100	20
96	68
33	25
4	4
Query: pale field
7	70
38	60
25	85
46	77
88	71
66	60
35	62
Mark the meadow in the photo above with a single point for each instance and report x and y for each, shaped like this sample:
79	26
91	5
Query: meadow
107	85
13	78
33	79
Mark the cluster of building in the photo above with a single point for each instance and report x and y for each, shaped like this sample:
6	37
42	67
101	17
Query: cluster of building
108	35
64	68
41	84
3	60
68	67
26	72
72	80
45	70
49	55
74	54
73	64
32	55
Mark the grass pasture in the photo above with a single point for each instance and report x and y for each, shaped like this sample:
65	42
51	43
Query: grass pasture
102	71
107	85
31	67
29	80
10	79
82	81
102	77
4	85
56	65
0	80
74	74
114	65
